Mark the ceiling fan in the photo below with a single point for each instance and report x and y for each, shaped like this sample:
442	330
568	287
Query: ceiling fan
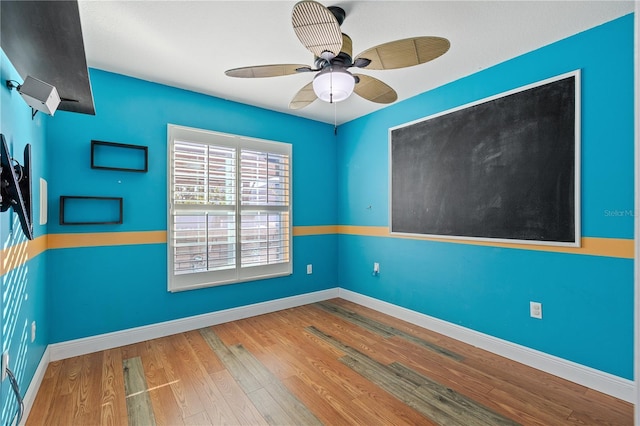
318	29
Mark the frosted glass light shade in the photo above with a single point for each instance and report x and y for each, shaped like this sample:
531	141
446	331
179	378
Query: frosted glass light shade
333	85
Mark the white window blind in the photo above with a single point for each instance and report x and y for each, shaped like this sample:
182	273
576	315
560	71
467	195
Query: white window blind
230	208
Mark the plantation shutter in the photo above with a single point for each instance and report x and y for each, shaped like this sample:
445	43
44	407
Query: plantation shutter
264	214
230	213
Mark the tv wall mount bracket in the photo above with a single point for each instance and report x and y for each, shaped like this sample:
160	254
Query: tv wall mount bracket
15	186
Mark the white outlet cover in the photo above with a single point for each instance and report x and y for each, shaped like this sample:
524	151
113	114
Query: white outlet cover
309	269
535	310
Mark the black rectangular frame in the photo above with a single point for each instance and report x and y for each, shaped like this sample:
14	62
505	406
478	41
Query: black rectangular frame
63	199
123	146
446	197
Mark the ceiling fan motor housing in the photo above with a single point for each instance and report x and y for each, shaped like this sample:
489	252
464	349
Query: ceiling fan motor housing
343	59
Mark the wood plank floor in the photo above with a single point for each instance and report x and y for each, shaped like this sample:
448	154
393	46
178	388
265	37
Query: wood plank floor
332	363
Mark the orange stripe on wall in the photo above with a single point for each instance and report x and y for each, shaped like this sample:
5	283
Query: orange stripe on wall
14	256
17	255
57	241
301	231
368	231
609	247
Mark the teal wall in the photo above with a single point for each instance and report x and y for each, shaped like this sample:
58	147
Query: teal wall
24	289
84	291
103	289
587	300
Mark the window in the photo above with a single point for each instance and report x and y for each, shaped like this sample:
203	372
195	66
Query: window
230	208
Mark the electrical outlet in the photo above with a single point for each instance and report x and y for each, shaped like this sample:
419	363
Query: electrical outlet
33	331
309	269
376	268
5	364
535	310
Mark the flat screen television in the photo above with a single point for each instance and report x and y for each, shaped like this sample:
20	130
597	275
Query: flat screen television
15	186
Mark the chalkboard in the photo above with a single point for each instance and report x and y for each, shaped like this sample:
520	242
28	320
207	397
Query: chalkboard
504	168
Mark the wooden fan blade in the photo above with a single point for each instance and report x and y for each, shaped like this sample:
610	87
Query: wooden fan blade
262	71
374	90
405	53
304	97
316	27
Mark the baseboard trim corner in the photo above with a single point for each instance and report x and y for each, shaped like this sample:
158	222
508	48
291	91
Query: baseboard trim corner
598	380
30	395
115	339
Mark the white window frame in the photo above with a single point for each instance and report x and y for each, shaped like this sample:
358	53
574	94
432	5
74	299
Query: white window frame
188	281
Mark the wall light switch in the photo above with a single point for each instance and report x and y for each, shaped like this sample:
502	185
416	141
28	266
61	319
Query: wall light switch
309	269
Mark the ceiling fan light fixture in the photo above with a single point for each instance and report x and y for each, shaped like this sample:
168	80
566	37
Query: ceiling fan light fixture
333	84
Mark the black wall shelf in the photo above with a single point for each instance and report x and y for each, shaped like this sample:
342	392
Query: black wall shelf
119	156
100	210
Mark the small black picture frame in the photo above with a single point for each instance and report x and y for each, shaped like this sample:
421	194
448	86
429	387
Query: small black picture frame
65	221
113	147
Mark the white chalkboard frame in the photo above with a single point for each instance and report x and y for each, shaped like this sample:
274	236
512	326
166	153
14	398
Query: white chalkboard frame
576	241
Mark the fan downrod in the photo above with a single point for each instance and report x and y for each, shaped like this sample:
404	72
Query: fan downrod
338	12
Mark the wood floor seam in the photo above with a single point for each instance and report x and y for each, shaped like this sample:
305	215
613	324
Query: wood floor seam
384	330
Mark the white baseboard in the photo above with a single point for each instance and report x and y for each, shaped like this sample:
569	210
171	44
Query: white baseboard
586	376
603	382
139	334
30	395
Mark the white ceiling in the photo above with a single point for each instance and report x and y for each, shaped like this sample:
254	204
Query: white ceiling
189	44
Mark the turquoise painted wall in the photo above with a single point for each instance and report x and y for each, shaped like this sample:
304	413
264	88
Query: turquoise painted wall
23	289
104	289
79	292
587	300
